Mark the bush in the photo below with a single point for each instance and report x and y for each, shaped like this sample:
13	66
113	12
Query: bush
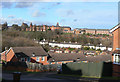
86	48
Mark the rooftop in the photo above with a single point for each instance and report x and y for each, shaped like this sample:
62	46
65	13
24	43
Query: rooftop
28	51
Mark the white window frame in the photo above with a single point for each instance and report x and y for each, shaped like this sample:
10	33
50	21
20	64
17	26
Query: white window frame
42	58
37	59
116	59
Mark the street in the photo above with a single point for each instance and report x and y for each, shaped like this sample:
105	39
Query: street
51	77
33	77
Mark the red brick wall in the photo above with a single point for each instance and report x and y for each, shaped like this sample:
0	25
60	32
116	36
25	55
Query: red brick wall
45	61
33	59
10	55
90	31
116	39
3	56
37	29
102	32
53	28
116	70
67	29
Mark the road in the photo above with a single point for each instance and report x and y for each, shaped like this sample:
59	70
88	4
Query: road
35	77
51	77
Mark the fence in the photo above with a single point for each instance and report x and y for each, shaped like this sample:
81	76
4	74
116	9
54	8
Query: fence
28	66
88	69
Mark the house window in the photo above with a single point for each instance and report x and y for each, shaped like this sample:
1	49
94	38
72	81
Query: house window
117	58
42	58
28	59
37	59
65	30
22	59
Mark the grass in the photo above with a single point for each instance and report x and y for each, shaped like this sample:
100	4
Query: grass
114	78
78	76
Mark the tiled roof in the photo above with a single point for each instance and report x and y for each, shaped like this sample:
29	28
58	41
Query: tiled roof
99	58
28	51
66	57
74	56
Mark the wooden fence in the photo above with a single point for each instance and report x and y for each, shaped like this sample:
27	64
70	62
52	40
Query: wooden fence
28	66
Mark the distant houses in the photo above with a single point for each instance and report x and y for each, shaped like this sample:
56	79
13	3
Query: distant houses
74	45
65	45
64	29
92	31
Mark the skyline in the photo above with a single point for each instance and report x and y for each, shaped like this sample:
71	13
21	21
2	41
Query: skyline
94	15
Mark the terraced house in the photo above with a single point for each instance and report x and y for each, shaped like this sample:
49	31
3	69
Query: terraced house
92	31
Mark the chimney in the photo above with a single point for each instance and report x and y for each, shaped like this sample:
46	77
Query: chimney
57	24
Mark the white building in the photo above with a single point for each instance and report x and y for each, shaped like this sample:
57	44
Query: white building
65	45
109	49
101	47
43	42
90	46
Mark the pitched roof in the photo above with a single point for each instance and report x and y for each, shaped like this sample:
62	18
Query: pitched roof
75	56
28	51
99	58
115	27
66	57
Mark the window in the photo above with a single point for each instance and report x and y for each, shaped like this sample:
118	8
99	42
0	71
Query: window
28	59
117	58
42	58
22	59
37	59
65	30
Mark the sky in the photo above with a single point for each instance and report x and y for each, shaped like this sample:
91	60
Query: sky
93	15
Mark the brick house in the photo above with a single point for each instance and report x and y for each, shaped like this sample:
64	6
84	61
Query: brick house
116	50
30	54
65	29
92	31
